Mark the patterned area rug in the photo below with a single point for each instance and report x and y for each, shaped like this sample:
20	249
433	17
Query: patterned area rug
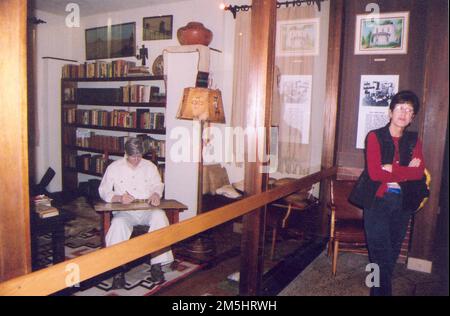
138	282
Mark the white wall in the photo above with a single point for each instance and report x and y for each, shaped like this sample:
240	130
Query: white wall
181	175
204	11
53	39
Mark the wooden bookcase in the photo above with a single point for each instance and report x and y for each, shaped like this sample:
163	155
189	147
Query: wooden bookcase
106	121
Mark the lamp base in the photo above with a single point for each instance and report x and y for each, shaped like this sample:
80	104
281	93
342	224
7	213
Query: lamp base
200	248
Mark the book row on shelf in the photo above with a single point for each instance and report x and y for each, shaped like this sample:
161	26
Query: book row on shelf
134	93
87	162
103	69
139	93
141	118
111	144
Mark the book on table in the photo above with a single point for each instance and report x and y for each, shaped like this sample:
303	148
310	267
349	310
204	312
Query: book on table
47	212
41	199
42	206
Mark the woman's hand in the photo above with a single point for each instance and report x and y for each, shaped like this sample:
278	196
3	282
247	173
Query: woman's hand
414	162
387	167
154	199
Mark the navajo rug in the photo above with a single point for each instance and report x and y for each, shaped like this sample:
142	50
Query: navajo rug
138	281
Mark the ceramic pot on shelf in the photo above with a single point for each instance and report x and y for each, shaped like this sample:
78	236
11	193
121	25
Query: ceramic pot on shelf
194	33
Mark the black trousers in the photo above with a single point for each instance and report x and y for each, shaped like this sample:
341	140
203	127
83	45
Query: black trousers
385	223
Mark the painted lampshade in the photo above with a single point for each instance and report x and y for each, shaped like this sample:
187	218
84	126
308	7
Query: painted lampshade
202	104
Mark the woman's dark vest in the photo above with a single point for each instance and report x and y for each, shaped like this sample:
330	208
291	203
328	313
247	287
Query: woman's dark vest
365	189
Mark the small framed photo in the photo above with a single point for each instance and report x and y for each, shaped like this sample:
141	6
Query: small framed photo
298	37
157	28
385	33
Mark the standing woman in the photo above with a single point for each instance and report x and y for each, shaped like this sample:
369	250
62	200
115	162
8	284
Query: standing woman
390	187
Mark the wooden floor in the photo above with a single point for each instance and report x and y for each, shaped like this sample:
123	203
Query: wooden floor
212	280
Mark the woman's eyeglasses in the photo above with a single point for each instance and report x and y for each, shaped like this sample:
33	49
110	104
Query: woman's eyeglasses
404	109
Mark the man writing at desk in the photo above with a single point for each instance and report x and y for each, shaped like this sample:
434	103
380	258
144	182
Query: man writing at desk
124	181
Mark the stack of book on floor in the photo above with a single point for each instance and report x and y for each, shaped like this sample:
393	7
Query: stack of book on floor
42	206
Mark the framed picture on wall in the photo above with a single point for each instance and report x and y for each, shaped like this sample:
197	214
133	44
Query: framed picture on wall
111	41
157	28
296	96
375	95
385	34
298	37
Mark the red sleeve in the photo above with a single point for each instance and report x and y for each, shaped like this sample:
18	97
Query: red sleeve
403	173
373	157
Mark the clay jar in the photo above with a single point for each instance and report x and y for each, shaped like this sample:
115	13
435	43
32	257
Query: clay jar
194	33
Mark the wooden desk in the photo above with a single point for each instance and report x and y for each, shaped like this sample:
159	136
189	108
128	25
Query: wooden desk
171	207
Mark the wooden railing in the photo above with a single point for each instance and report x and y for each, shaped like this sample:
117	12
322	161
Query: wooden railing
70	272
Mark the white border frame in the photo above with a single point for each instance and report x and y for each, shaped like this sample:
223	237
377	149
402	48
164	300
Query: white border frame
312	52
382	51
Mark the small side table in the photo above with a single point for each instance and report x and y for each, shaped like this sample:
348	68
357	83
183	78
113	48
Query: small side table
53	225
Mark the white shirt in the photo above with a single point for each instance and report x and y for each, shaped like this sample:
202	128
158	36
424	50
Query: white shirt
141	182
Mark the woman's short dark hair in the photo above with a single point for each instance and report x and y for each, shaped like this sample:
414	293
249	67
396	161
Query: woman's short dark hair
134	146
405	96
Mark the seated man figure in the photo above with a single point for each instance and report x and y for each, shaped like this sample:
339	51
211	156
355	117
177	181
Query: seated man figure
125	180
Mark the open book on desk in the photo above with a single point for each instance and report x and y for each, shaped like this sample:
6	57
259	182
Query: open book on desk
138	205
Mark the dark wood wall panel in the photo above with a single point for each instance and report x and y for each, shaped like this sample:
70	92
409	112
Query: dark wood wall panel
424	69
408	66
436	104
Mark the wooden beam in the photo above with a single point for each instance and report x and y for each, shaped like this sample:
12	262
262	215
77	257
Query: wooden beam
335	37
332	86
257	115
59	276
435	107
15	250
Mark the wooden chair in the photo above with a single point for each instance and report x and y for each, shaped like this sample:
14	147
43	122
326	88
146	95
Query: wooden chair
280	213
347	225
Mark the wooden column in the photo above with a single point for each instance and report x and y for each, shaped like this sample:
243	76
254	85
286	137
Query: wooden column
257	115
332	87
435	110
15	253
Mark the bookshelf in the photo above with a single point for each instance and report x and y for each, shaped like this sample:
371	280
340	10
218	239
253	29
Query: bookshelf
100	107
